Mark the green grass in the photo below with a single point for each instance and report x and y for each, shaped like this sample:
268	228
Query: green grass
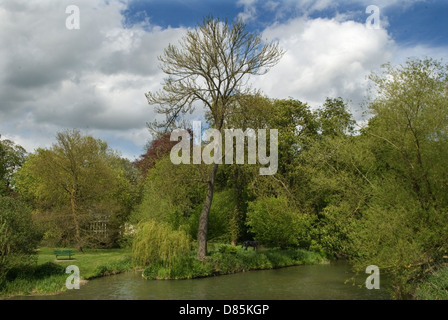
48	275
91	261
222	262
435	286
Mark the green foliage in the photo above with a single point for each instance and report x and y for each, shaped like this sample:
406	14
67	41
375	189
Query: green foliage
171	194
219	263
158	241
221	212
12	157
18	235
112	268
155	206
405	225
410	117
435	286
34	279
275	223
41	271
183	267
174	195
379	197
298	128
74	184
333	228
334	118
225	248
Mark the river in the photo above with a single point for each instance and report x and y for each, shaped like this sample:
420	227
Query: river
309	282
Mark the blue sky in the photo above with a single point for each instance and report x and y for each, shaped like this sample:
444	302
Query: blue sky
423	22
95	78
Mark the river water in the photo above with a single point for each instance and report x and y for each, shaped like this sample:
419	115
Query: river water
310	282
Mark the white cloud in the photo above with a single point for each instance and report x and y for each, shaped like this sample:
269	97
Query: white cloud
271	5
94	78
324	58
310	6
249	10
332	58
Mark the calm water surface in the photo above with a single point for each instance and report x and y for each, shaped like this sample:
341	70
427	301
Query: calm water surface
314	282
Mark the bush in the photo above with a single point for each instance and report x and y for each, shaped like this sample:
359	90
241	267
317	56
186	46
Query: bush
275	223
223	206
18	236
182	267
38	272
48	269
111	268
157	241
225	248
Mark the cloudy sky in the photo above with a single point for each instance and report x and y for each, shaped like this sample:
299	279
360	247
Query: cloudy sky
94	78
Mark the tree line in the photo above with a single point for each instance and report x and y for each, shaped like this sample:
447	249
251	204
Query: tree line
374	194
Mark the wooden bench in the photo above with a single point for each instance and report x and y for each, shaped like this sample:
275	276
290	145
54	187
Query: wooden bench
63	253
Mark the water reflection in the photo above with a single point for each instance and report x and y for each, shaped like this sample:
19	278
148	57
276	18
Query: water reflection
314	282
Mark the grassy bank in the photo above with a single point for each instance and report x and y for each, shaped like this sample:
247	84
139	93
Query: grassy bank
435	286
48	275
227	261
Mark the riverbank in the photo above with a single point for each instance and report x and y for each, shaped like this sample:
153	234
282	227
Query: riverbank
435	286
305	282
229	260
48	275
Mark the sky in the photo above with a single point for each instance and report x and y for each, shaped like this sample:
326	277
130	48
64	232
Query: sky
94	78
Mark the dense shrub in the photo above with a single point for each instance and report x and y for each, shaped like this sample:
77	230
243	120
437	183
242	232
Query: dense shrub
275	223
223	206
158	241
225	248
435	286
35	271
18	236
112	268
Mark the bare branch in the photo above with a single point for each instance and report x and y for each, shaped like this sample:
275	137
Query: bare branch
211	65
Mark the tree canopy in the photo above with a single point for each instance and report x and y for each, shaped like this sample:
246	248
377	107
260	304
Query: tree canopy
12	157
79	179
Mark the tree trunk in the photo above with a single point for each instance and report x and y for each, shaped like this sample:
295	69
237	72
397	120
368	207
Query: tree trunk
203	220
75	221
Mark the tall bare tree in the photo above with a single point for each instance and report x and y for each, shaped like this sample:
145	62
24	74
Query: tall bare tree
211	66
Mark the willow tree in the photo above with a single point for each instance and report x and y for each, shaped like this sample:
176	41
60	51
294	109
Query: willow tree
210	67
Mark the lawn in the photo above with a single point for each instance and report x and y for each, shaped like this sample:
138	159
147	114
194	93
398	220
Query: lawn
91	261
48	275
